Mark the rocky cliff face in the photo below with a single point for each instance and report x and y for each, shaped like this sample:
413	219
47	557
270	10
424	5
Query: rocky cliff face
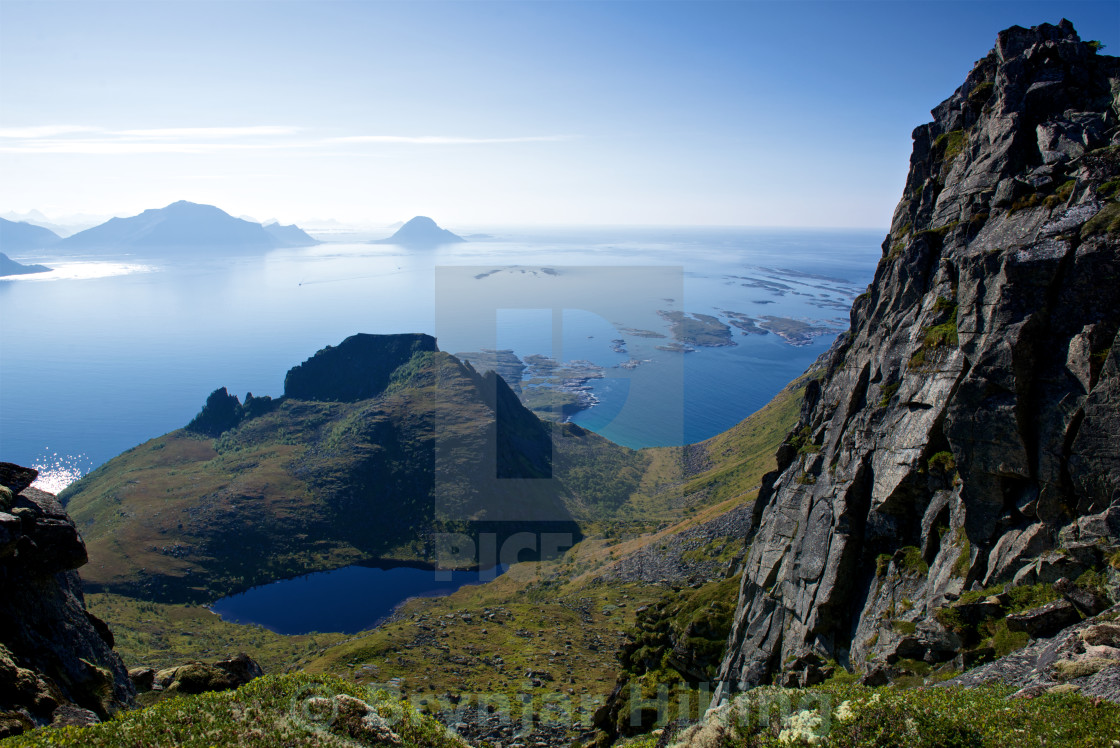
964	433
57	664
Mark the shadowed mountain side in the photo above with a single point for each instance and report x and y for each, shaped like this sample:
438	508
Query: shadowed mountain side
183	225
17	235
357	369
420	232
290	236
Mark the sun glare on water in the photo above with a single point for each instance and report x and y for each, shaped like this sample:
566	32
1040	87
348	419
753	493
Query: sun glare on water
84	271
56	471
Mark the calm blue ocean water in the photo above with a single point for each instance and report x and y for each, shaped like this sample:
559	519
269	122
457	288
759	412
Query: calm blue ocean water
111	350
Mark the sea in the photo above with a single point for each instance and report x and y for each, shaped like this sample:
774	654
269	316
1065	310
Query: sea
113	348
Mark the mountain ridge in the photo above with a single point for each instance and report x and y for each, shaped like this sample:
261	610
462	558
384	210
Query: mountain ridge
21	235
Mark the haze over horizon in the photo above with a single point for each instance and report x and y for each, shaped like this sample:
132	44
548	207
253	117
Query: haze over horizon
475	113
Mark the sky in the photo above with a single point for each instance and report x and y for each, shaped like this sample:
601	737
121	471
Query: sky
487	113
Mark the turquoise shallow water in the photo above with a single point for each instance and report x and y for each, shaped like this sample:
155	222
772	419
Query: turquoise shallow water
114	349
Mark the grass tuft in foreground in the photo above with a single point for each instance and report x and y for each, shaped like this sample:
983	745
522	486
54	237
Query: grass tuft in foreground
853	716
287	710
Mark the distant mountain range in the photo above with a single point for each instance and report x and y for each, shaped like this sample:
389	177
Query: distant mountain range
9	266
181	225
63	225
421	231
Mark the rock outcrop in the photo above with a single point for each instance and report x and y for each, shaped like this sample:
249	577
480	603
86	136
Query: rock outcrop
356	369
1083	658
57	663
198	677
963	435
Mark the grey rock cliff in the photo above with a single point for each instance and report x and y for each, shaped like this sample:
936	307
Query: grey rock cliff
57	663
965	430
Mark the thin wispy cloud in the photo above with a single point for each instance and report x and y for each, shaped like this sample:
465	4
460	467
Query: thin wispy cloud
80	139
125	147
209	132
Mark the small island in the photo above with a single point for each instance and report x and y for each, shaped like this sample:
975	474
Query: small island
553	390
638	333
420	232
748	325
696	329
794	331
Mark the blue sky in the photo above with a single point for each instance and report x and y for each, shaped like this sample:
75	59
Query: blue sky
476	113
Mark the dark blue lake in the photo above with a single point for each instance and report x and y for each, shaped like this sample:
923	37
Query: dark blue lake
347	600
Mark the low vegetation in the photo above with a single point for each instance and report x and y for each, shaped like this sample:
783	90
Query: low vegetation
852	716
888	391
950	144
1107	221
935	337
160	635
675	647
292	710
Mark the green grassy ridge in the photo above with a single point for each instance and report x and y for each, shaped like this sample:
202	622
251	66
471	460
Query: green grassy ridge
845	715
268	712
308	486
740	456
305	485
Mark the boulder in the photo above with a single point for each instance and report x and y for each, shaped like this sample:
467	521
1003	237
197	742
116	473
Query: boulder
16	477
143	678
199	677
1045	620
1087	600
